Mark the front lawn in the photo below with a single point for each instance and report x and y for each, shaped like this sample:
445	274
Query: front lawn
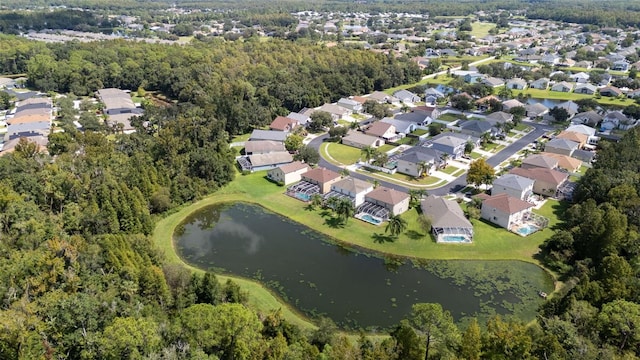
451	117
419	132
522	127
386	147
450	169
340	154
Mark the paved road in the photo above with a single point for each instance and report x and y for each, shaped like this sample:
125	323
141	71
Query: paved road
459	183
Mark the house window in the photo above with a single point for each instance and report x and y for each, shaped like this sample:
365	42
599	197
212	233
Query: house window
495	218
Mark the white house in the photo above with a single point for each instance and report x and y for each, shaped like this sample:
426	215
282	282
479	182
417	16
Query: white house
397	202
505	210
513	185
288	173
350	104
355	189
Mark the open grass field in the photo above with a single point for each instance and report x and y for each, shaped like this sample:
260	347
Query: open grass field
481	29
340	154
557	95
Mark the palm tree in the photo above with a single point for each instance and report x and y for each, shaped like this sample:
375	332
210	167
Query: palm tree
395	225
444	157
375	183
332	203
423	167
368	153
415	195
316	200
345	209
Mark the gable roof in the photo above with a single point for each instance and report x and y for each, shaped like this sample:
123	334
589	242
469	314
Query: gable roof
540	161
513	181
582	129
263	146
379	128
334	109
387	195
444	213
270	158
547	175
564	161
293	167
417	117
321	175
401	126
511	103
590	117
405	94
353	185
300	118
499	116
418	154
360	138
449	140
282	123
573	136
478	126
507	204
537	108
267	135
562	144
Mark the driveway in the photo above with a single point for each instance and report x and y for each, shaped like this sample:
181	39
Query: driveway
459	183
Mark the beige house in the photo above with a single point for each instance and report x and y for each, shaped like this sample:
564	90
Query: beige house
288	173
397	202
539	161
322	177
448	223
382	130
263	147
580	138
360	140
355	189
513	185
561	146
547	181
505	210
565	162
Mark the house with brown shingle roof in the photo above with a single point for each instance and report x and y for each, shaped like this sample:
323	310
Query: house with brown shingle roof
447	219
282	123
382	130
574	136
505	210
360	140
539	161
322	177
262	147
397	202
288	173
547	181
565	162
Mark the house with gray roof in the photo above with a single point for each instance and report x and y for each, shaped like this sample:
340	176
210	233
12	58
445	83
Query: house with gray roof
360	140
263	147
415	117
404	127
510	104
448	223
562	86
271	135
590	118
419	161
539	161
582	129
561	146
493	81
513	185
353	188
585	88
541	84
499	117
350	104
268	161
300	118
477	128
451	143
406	96
517	84
536	110
337	112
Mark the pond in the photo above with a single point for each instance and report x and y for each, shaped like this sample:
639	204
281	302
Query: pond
355	289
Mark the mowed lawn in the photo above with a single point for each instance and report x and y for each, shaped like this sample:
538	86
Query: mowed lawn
559	95
481	29
342	154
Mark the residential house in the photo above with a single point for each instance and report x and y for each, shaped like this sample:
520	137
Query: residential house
269	160
570	106
352	187
282	123
605	79
268	135
580	78
541	84
584	64
582	129
430	111
610	91
473	78
484	104
431	95
517	84
562	86
337	112
513	185
499	117
288	173
406	96
263	147
382	130
613	119
580	138
40	141
584	155
493	82
510	104
452	144
505	210
402	127
447	218
396	202
565	162
561	146
620	65
477	128
539	161
536	110
119	108
547	181
382	98
321	177
350	104
419	161
590	118
585	88
360	140
300	118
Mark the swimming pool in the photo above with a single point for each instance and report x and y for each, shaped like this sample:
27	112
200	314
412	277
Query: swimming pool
454	239
370	219
527	229
302	196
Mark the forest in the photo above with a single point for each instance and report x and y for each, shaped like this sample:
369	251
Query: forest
80	278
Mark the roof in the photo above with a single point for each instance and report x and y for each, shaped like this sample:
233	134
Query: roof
582	129
493	81
590	116
270	158
360	138
282	123
537	108
263	146
564	161
380	96
547	175
449	140
512	103
300	118
405	94
115	99
562	144
479	126
40	140
513	181
360	99
417	117
500	116
293	167
444	213
419	154
29	119
573	136
36	100
334	109
379	128
541	161
401	126
486	99
353	185
267	135
507	204
321	175
563	84
387	195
